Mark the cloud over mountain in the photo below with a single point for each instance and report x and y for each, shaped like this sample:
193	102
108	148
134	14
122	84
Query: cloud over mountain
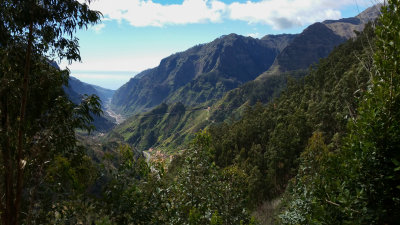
279	14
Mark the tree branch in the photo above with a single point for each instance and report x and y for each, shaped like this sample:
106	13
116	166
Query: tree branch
336	204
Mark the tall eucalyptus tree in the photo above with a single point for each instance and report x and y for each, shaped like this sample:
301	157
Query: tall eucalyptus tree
37	120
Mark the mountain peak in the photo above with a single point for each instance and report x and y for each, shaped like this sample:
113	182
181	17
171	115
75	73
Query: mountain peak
370	13
314	43
345	27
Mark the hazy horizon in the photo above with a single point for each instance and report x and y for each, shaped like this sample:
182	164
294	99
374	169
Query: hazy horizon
105	79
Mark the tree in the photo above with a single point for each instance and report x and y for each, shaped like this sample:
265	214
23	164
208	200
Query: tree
374	141
130	196
305	201
359	182
202	193
33	33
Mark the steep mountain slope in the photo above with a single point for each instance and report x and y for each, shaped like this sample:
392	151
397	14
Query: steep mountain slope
76	89
200	74
346	27
268	140
318	40
81	88
104	93
314	43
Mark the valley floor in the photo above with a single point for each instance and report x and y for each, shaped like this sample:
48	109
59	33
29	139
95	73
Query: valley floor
118	117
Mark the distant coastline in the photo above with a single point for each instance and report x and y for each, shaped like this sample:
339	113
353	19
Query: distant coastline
106	79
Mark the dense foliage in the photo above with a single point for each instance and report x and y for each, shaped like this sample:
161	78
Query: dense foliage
193	191
357	182
268	140
41	166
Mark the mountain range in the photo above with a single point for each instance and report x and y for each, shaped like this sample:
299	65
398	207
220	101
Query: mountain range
204	73
216	81
200	74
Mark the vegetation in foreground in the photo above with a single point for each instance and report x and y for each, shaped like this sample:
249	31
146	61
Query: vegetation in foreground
328	144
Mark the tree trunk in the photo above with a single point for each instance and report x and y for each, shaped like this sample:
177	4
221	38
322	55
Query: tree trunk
21	130
6	207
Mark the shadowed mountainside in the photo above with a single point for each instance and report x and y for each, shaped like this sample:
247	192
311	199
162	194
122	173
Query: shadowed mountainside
75	91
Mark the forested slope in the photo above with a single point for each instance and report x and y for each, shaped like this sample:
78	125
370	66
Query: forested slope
268	140
357	181
167	126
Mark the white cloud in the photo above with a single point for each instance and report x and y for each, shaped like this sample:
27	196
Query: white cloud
142	13
279	14
116	63
282	14
98	27
254	35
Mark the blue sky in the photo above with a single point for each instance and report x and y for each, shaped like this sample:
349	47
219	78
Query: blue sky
136	34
